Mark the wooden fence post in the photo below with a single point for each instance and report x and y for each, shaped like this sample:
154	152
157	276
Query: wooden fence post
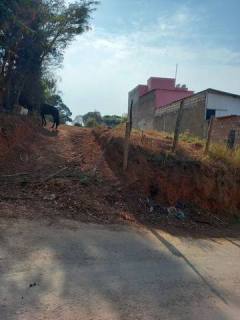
177	127
209	134
127	138
231	139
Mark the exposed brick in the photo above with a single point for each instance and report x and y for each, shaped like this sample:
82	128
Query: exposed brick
222	127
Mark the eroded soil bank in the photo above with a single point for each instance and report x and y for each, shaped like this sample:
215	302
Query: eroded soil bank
170	179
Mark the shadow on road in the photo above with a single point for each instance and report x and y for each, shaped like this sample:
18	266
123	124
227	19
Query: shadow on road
177	253
95	272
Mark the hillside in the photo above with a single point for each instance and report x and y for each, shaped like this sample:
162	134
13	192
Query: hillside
77	173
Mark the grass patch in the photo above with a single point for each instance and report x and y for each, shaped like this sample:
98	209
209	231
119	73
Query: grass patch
187	137
221	153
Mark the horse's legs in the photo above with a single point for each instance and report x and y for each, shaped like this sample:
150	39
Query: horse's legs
55	123
43	120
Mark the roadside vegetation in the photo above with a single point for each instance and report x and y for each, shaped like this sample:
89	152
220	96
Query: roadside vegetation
191	145
33	38
221	153
95	119
187	176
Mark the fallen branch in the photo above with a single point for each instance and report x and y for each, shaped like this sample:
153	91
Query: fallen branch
53	174
15	198
15	175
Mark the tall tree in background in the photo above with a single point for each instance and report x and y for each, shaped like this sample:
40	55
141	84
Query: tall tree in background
92	119
33	37
112	120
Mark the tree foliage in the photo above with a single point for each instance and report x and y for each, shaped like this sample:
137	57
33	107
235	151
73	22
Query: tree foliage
93	119
112	121
64	111
33	37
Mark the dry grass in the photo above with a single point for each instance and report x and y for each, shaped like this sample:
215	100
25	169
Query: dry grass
219	152
189	145
187	137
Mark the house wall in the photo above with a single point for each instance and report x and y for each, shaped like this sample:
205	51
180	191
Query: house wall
161	83
164	97
222	128
151	109
193	119
146	99
143	112
223	104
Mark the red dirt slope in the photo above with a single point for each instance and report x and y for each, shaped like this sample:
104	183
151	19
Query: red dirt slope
186	177
77	173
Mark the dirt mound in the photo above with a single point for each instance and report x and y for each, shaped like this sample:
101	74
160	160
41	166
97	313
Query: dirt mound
16	135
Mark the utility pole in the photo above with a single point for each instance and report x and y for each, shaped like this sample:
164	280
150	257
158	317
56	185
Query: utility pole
176	72
177	126
127	138
209	134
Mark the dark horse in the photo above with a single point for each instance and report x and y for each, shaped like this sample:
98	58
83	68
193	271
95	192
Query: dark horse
47	109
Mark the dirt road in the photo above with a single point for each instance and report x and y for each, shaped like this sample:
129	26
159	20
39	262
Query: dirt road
61	174
69	270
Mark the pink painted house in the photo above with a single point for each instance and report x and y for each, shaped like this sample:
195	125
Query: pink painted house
158	93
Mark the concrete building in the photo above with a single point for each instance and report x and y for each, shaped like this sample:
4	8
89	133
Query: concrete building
155	95
198	108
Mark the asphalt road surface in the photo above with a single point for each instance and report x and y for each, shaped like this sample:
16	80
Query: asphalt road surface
69	270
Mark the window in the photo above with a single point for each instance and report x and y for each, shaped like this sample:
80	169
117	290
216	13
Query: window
210	113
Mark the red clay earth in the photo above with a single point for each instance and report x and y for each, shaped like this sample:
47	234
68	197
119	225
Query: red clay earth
77	173
183	177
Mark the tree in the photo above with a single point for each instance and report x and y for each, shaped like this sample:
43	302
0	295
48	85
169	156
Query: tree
91	123
33	37
111	121
91	118
77	124
65	113
78	120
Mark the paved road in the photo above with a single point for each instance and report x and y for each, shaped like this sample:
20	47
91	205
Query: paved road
76	271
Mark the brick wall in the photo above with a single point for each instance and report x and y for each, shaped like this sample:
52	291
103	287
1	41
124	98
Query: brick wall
222	127
193	119
157	93
143	112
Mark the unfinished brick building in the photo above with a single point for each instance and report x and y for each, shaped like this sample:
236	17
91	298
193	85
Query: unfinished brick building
226	128
156	94
156	105
197	111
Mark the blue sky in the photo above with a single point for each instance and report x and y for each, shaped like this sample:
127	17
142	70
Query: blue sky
132	40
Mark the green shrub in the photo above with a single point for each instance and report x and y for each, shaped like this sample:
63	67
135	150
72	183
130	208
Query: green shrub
77	124
91	123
